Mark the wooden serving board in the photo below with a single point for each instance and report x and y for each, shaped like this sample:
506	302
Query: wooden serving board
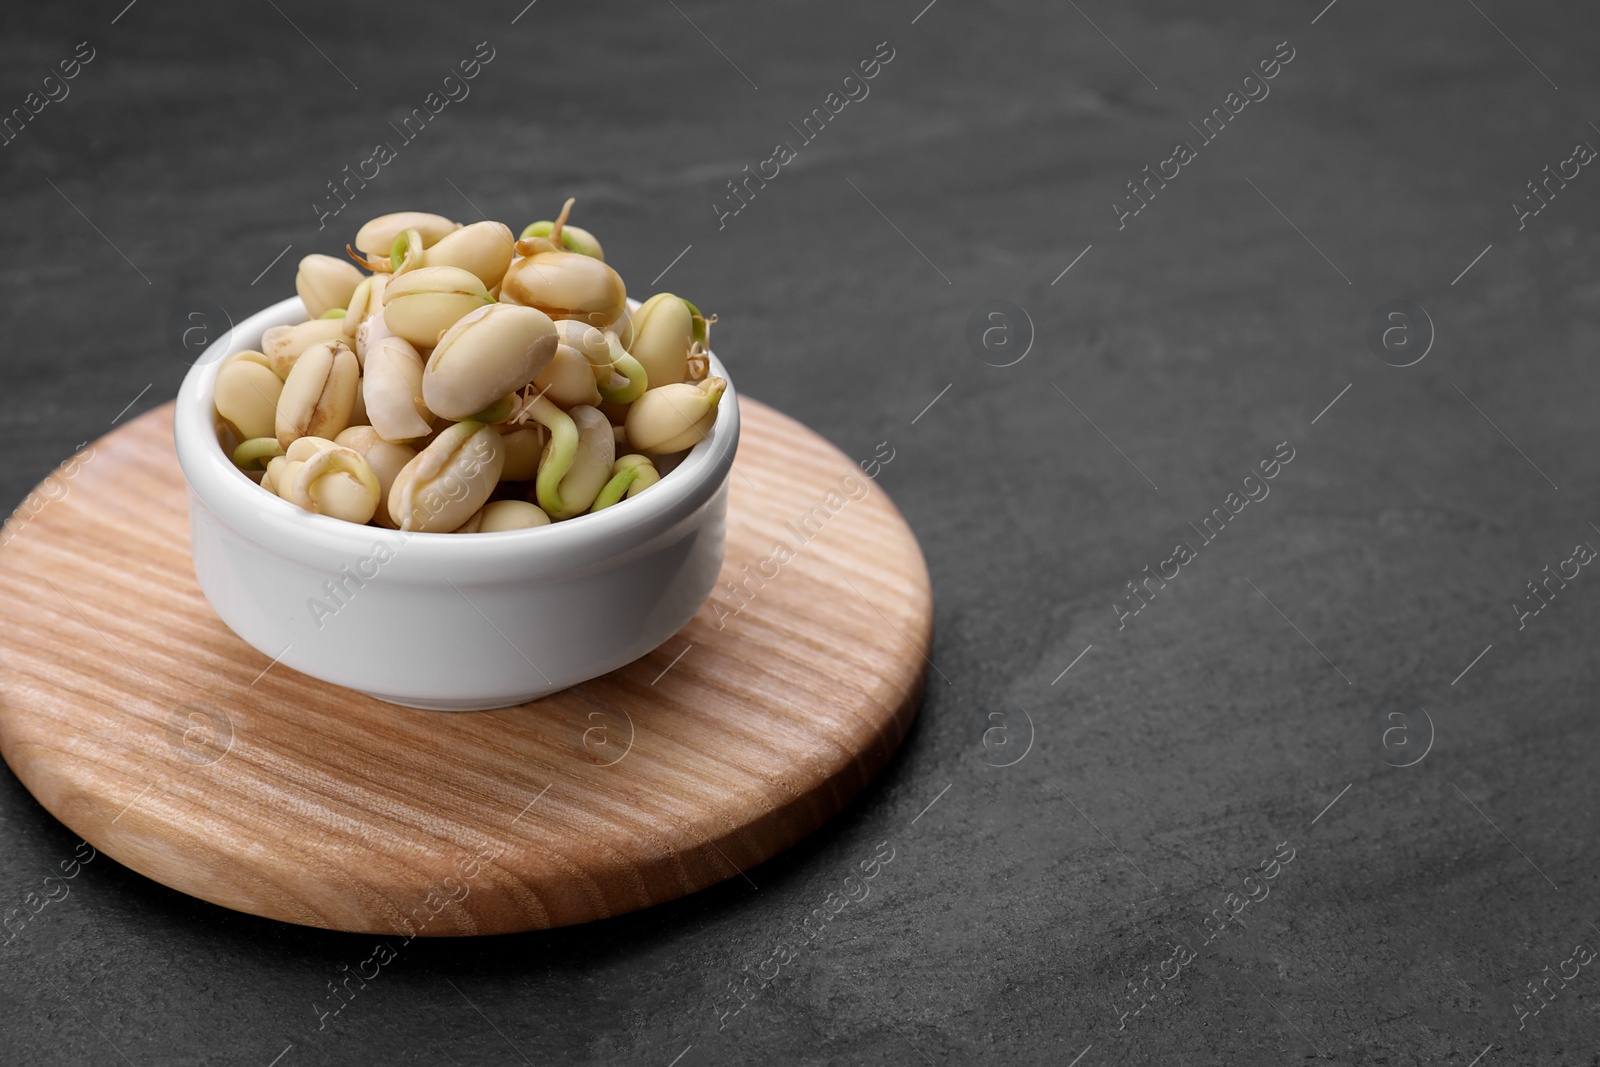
142	723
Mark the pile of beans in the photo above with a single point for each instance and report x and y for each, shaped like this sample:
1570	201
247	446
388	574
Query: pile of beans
473	382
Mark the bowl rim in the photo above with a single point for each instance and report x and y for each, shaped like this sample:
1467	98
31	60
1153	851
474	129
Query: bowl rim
286	528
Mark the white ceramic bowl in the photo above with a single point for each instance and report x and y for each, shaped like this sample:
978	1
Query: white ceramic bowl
456	622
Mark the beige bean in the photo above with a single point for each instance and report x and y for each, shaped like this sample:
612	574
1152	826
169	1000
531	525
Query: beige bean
269	479
659	336
523	445
356	311
247	394
591	343
449	480
324	283
565	285
372	330
365	302
489	353
283	345
376	237
386	458
334	481
484	248
569	379
280	477
358	410
422	304
674	417
392	387
320	394
303	448
618	376
498	515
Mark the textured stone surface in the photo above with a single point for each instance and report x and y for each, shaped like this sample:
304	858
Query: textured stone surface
1178	751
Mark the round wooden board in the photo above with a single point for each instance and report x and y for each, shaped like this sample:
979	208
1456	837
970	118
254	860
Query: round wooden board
142	723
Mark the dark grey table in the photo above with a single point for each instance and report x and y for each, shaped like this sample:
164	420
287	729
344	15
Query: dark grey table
1327	793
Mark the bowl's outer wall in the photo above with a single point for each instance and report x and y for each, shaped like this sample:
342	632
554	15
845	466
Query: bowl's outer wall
456	646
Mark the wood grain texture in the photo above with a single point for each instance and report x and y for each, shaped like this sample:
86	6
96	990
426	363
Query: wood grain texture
149	729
